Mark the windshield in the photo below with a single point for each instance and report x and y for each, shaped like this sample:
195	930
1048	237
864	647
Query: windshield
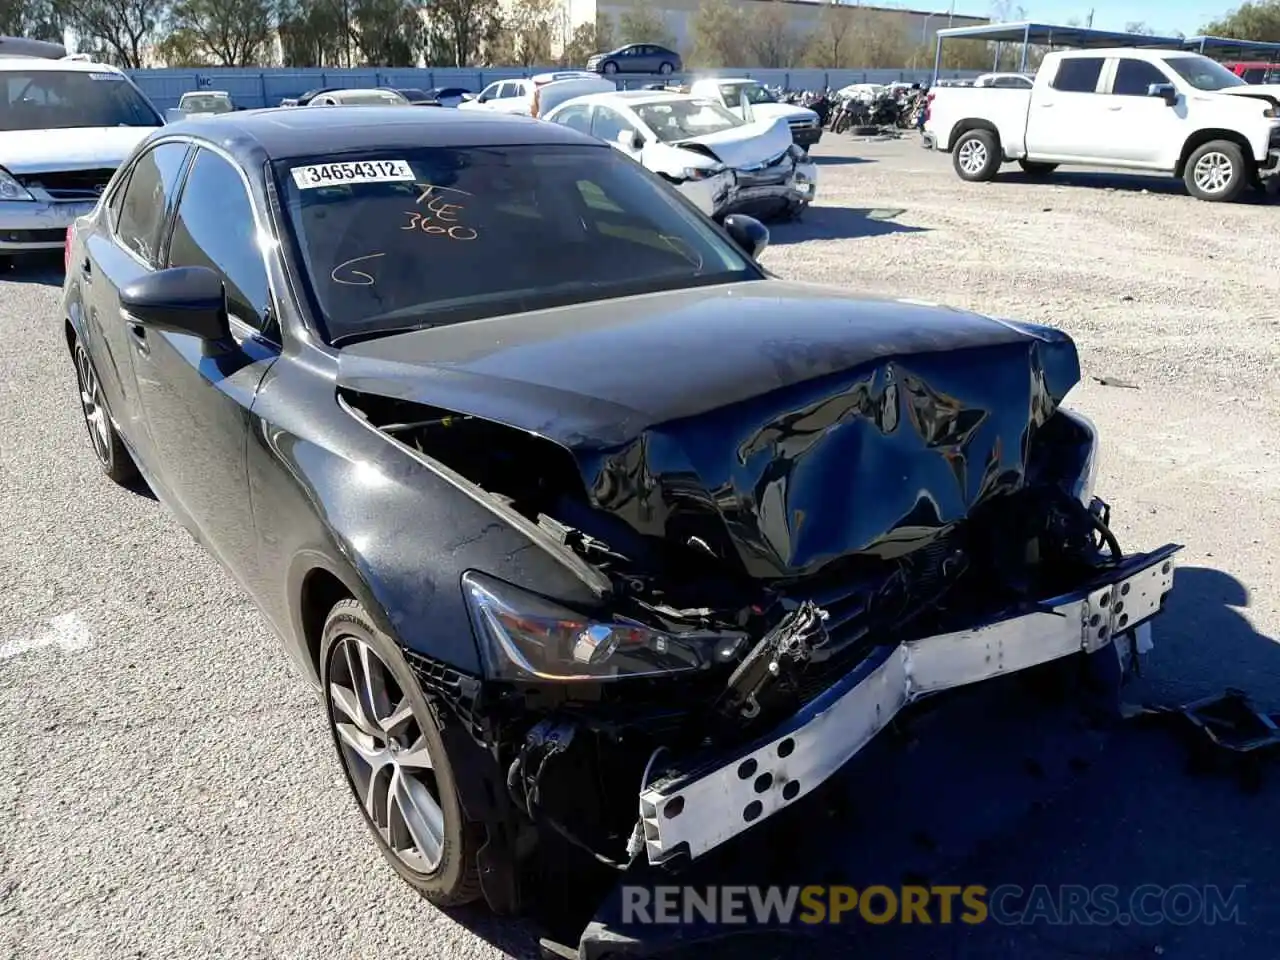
369	98
676	120
205	103
402	239
61	99
732	93
1203	73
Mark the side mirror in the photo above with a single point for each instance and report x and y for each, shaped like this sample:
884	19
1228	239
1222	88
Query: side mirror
1166	91
188	300
483	98
748	233
629	140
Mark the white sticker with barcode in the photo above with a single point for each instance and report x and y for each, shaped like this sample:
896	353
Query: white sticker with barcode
360	171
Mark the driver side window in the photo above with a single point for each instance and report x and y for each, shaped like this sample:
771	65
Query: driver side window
490	92
607	124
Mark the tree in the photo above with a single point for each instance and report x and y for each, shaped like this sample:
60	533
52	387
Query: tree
33	19
388	33
181	48
582	43
118	31
877	39
642	23
315	33
772	41
459	31
1257	20
531	26
718	32
224	33
1140	28
829	43
1007	11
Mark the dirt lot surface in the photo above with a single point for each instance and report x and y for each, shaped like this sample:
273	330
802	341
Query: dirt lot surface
167	789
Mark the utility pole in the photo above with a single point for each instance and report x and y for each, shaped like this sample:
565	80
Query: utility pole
1089	22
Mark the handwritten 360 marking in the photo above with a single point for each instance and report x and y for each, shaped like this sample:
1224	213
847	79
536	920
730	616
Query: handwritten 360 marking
457	231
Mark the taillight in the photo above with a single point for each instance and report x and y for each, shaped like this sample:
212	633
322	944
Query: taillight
66	251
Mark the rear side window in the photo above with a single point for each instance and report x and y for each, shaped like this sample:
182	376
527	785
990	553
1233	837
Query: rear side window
1133	77
575	118
147	199
1078	75
215	229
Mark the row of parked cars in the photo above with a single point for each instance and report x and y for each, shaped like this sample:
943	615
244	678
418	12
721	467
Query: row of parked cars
725	143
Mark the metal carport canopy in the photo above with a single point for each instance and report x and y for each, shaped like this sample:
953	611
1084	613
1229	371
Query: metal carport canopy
1221	47
1028	32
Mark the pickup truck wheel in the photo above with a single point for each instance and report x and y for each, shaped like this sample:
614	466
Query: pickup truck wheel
1217	172
1033	169
976	156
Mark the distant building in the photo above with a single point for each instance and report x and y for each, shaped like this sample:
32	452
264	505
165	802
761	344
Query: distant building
805	16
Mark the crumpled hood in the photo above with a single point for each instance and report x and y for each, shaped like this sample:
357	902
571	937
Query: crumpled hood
79	148
748	145
786	111
813	424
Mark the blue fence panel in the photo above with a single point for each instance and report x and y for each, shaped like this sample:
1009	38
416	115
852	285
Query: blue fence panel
252	88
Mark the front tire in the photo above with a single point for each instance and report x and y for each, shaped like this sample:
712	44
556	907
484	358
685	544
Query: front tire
388	741
112	455
1217	172
609	67
1033	169
976	156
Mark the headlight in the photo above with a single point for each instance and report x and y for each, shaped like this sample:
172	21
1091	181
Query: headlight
1083	488
701	173
524	637
11	189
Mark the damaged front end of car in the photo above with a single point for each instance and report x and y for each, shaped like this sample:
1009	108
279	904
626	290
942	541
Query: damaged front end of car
780	572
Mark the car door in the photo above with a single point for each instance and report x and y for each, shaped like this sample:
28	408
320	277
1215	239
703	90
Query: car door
196	397
1065	118
124	247
1141	129
645	59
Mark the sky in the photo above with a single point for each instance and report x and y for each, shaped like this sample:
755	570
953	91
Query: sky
1162	16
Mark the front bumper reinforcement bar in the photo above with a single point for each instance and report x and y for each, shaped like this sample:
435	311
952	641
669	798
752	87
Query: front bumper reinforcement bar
689	812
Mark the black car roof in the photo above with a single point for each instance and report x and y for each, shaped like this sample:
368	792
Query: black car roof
282	133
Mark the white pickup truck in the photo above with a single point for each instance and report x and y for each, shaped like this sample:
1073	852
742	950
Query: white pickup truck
750	100
1168	111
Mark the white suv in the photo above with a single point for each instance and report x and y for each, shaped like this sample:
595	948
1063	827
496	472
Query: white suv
65	126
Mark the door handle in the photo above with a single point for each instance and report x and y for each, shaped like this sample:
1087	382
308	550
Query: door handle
1114	109
138	334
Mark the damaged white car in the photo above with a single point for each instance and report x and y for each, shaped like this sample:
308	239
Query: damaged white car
720	162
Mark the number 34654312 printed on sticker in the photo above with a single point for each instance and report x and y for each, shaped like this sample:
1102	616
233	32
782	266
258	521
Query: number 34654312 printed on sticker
359	171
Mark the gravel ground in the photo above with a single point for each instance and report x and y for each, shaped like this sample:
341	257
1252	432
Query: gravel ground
166	788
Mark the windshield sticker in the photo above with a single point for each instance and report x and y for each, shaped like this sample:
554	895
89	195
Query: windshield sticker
363	171
351	276
106	76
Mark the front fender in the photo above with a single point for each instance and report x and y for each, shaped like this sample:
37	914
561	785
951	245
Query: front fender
331	493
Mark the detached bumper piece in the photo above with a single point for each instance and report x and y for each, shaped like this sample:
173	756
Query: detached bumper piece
689	812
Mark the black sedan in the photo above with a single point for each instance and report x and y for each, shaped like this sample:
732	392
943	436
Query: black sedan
593	536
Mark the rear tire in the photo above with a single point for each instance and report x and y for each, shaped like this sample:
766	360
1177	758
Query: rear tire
356	656
666	69
976	156
1217	172
1033	169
